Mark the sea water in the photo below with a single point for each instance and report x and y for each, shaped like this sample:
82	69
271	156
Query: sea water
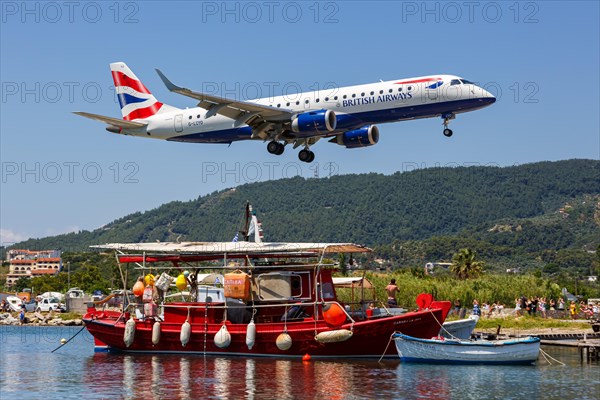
30	370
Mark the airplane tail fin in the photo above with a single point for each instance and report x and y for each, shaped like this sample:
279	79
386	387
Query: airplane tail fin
135	99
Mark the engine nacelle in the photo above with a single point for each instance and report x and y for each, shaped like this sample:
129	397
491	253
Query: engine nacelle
363	137
319	121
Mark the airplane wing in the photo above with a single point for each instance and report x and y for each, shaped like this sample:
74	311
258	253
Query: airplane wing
260	117
112	121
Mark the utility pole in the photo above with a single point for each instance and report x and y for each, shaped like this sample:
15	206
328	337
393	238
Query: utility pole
68	275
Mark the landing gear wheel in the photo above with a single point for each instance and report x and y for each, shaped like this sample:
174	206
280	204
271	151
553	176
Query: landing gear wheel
306	155
273	147
448	132
280	149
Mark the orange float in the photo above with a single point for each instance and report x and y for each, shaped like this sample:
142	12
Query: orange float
334	314
138	288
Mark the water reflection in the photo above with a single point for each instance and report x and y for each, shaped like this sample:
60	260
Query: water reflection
177	377
75	372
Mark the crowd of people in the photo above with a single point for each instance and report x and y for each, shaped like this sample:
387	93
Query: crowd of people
532	306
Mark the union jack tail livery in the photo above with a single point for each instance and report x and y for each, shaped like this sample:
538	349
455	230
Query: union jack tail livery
135	99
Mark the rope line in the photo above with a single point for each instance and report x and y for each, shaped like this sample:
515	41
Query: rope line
72	337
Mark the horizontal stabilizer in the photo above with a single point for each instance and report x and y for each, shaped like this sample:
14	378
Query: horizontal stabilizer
112	121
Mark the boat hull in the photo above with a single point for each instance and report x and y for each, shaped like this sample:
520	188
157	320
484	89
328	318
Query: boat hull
514	351
459	329
370	338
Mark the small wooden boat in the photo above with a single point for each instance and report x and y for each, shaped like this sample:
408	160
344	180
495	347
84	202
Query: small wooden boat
450	351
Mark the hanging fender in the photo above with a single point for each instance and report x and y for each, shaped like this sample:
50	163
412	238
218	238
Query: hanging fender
250	334
186	331
223	337
129	333
156	333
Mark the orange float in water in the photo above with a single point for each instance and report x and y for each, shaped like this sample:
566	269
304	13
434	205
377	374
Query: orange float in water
306	357
333	314
138	288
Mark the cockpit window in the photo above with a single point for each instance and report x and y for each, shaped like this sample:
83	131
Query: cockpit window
466	82
454	82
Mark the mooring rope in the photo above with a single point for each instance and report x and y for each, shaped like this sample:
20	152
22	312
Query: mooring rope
546	356
62	344
386	347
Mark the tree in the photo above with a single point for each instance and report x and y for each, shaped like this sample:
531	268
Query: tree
22	283
465	264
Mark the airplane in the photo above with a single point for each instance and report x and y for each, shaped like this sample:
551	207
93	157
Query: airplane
346	115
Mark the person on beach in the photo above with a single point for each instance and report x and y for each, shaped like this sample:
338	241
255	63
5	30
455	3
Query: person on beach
391	291
517	307
22	316
476	309
573	309
457	306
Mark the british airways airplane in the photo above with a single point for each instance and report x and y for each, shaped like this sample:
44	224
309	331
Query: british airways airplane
346	115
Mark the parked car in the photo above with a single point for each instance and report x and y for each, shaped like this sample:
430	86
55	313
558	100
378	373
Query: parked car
31	305
50	303
97	295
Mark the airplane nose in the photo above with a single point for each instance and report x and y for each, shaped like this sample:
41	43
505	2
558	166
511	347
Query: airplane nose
489	98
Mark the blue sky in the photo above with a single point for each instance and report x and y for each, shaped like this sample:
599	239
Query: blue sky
61	172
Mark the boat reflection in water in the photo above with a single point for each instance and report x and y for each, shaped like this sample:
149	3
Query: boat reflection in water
186	377
182	377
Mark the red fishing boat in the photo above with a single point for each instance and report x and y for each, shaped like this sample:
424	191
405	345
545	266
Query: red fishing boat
273	299
245	298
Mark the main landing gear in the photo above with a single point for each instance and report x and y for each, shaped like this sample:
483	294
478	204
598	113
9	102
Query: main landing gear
275	148
306	155
447	117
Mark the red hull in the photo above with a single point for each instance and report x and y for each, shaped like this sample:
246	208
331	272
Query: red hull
370	337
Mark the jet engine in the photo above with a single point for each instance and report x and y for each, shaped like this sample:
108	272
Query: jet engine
363	137
311	122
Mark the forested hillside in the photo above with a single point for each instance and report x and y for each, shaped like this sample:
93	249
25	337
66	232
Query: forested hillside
497	210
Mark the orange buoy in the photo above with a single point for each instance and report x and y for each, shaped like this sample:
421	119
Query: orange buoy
138	288
333	314
306	357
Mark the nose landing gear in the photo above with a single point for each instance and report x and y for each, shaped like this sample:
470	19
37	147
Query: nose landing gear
447	117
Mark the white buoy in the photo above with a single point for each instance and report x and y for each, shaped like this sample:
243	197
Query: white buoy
223	337
156	333
250	334
186	331
284	341
63	341
129	334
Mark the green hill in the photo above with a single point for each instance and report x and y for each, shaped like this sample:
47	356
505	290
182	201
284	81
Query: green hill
563	239
432	209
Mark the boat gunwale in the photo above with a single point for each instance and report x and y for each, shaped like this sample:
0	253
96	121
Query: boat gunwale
462	342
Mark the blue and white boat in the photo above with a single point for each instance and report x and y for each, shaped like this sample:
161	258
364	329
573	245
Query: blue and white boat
450	351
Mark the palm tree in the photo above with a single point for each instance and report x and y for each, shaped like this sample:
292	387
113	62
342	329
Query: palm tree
465	265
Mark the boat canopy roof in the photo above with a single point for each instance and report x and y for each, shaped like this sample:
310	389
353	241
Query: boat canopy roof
171	251
352	282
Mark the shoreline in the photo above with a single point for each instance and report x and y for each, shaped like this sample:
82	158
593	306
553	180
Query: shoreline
38	319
